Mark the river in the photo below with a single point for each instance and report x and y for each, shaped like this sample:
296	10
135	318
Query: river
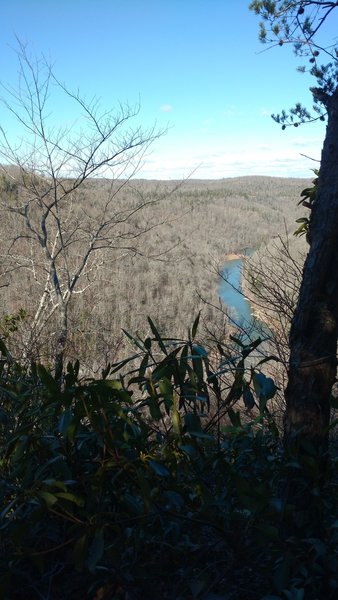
235	301
230	294
239	308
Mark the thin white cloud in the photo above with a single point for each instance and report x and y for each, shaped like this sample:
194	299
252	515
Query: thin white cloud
166	108
265	112
230	112
261	160
270	152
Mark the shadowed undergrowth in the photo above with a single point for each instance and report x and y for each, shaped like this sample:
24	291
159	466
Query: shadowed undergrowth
161	479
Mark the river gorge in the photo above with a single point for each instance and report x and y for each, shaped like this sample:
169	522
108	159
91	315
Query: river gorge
230	290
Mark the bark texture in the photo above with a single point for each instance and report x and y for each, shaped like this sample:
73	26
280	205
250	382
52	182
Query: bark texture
61	341
313	337
313	349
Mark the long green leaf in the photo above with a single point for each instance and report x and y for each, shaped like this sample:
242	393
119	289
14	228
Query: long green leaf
195	326
157	336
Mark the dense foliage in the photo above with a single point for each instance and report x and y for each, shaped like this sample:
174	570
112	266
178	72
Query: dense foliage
163	478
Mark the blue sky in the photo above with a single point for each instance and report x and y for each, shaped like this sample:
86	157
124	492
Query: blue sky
196	66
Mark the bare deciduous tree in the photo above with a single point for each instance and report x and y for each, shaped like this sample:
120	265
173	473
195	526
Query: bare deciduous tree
64	235
270	280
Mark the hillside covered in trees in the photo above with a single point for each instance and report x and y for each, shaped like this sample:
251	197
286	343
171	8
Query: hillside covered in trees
164	258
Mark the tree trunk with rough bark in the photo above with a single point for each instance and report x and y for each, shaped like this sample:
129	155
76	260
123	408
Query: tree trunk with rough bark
61	341
313	337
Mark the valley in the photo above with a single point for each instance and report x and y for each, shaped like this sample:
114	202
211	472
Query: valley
165	261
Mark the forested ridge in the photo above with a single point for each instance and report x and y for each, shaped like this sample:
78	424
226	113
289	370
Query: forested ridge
194	224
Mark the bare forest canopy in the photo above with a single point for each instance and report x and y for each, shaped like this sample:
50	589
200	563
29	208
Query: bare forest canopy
180	233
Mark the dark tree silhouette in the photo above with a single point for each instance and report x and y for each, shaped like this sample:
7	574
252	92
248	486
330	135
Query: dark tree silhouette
314	329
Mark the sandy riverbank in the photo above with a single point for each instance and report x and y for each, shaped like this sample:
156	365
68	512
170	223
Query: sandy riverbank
233	256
